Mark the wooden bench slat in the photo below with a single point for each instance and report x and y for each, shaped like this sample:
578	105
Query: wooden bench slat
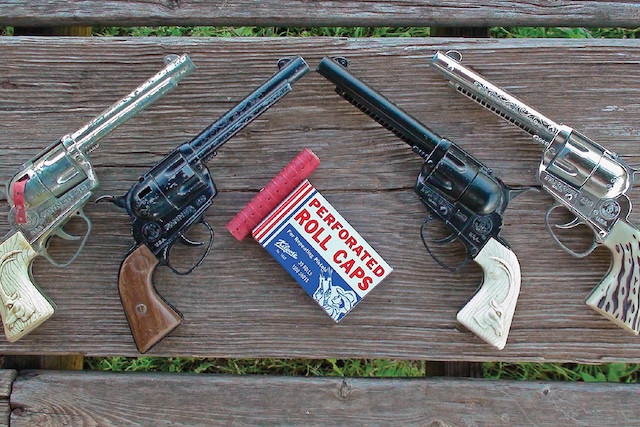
7	376
50	398
240	303
593	13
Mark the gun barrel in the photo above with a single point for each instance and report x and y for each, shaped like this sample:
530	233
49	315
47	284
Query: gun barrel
271	91
86	139
379	108
490	96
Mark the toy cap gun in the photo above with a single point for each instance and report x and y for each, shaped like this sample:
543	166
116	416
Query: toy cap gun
582	176
171	198
48	191
461	192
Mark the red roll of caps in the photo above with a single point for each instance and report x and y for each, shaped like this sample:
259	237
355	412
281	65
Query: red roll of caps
273	193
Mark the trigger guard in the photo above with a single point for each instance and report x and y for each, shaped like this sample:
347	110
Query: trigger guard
569	225
167	254
435	258
82	243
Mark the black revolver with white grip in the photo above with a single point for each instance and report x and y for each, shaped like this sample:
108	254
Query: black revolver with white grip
173	197
584	177
461	192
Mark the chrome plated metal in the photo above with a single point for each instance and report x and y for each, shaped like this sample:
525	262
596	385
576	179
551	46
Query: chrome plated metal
60	180
474	86
86	138
582	175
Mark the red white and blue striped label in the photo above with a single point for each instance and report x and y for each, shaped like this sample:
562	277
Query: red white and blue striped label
321	250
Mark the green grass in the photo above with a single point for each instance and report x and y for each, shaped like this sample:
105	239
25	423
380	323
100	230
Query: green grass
563	32
608	372
612	372
204	31
264	31
498	32
290	367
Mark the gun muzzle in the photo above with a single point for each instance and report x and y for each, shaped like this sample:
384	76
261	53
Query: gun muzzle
292	69
86	139
490	96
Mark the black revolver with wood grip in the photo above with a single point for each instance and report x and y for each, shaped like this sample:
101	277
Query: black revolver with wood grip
461	192
173	197
584	177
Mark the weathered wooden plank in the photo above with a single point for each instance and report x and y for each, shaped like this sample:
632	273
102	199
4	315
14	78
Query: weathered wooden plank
240	303
6	381
53	31
320	13
49	398
59	362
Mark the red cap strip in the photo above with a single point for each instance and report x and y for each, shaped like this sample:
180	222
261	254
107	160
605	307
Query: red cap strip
20	212
273	193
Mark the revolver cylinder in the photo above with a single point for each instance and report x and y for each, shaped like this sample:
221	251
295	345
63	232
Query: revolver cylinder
577	160
51	175
569	156
589	180
462	179
171	185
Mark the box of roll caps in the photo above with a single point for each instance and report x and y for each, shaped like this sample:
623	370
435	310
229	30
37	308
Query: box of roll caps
318	247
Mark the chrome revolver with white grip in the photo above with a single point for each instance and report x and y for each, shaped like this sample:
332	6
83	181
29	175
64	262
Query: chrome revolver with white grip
584	177
458	191
50	190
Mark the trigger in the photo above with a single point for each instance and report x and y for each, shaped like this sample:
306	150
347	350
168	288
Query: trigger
573	223
513	192
185	241
118	201
450	238
64	235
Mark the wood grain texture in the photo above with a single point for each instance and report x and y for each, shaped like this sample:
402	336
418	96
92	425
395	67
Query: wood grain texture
69	362
53	31
50	398
240	303
150	317
443	13
7	376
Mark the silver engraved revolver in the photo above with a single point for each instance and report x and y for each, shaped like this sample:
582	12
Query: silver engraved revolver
584	177
48	191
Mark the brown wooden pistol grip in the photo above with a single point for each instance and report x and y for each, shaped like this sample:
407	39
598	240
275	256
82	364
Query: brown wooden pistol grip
150	316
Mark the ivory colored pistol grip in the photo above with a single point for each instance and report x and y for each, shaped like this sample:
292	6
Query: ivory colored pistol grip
490	311
23	306
617	295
